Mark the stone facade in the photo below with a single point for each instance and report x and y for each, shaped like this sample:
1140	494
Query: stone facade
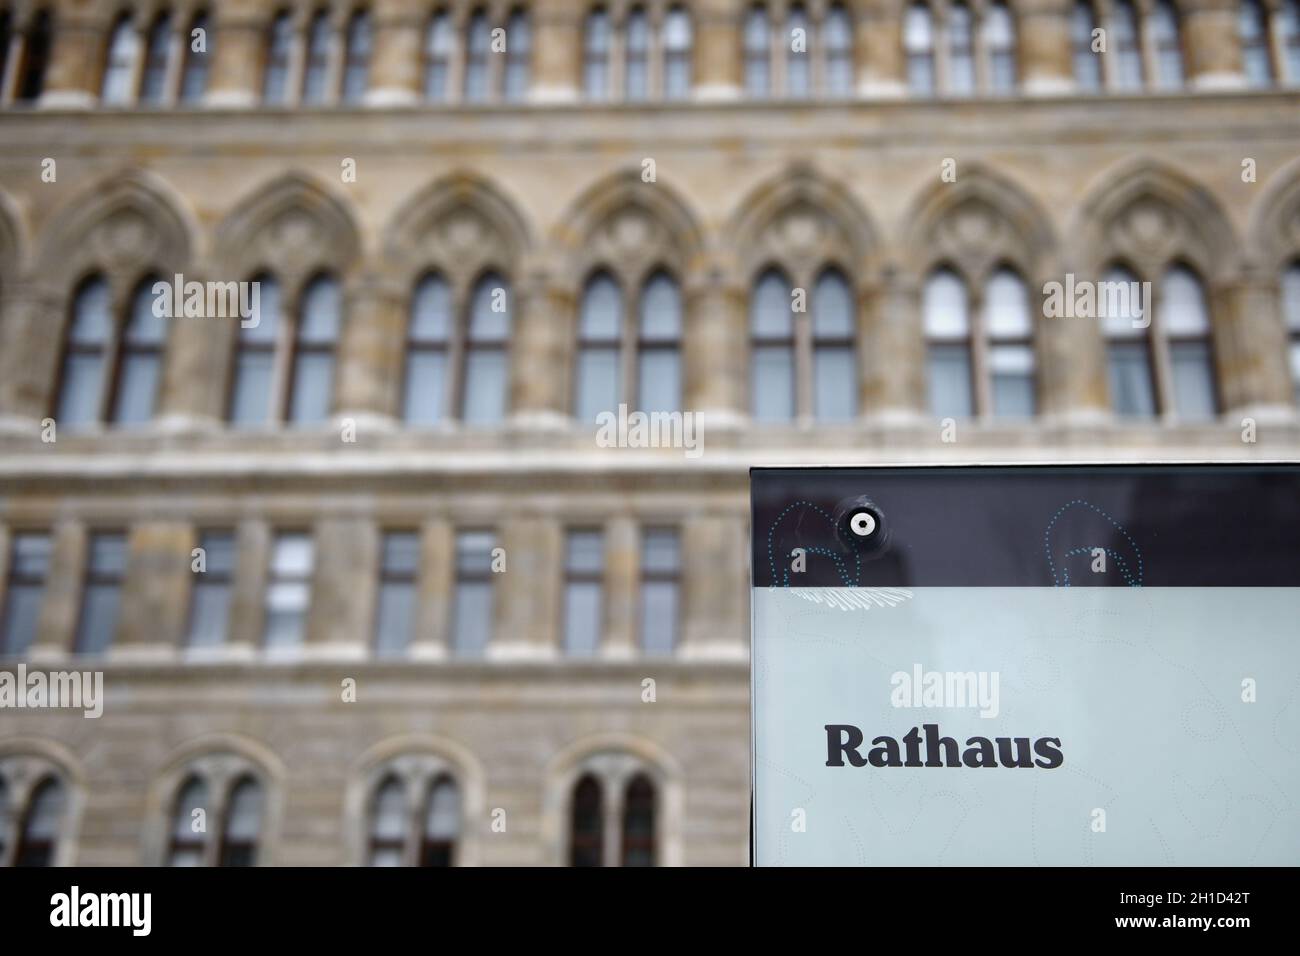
542	191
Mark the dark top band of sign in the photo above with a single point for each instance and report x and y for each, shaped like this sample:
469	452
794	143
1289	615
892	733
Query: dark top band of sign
1225	525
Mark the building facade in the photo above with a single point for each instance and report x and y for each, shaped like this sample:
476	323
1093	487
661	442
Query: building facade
368	574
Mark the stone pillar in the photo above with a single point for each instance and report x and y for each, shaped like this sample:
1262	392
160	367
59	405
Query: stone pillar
340	620
1072	379
1212	44
526	617
714	587
370	353
76	59
1250	347
541	353
882	69
155	594
30	339
237	46
1046	56
247	601
195	371
716	350
717	70
432	639
891	347
557	52
61	604
395	63
622	587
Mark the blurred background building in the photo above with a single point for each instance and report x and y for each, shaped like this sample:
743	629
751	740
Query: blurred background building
433	617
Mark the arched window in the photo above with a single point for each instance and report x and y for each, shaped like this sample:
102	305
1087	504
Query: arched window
139	359
187	837
441	824
428	340
659	330
197	48
639	822
586	824
961	51
243	825
519	51
1289	22
38	834
439	44
1252	25
1010	331
677	54
1185	323
771	329
487	371
36	58
599	348
153	82
312	381
595	55
1000	46
1291	315
356	57
946	318
837	41
279	48
636	55
798	64
252	386
1087	64
758	53
918	45
478	50
315	86
388	824
85	355
1125	318
1169	46
1124	37
835	376
119	67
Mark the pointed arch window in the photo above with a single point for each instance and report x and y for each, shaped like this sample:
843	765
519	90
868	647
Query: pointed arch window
758	53
478	51
595	55
312	375
1000	47
186	841
439	45
636	55
1009	327
315	86
414	814
1087	64
196	50
638	845
153	81
798	63
918	46
837	42
428	344
950	365
486	380
1125	318
119	67
1185	323
441	824
834	362
242	827
1167	37
1124	37
85	355
41	827
961	51
389	824
252	390
279	49
587	824
1291	314
599	348
659	330
613	813
1252	27
772	346
139	359
677	54
356	57
519	52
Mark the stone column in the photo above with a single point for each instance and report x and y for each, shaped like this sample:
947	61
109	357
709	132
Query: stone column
1072	383
432	639
717	69
370	352
76	59
526	618
1212	44
891	347
1250	347
340	620
61	604
247	602
397	54
714	587
237	46
557	52
195	371
156	592
621	586
882	69
1046	56
541	352
716	350
30	338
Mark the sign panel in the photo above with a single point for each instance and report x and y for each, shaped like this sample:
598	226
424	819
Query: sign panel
1084	665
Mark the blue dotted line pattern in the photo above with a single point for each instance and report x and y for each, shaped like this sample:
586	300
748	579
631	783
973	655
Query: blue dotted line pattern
1047	542
839	566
